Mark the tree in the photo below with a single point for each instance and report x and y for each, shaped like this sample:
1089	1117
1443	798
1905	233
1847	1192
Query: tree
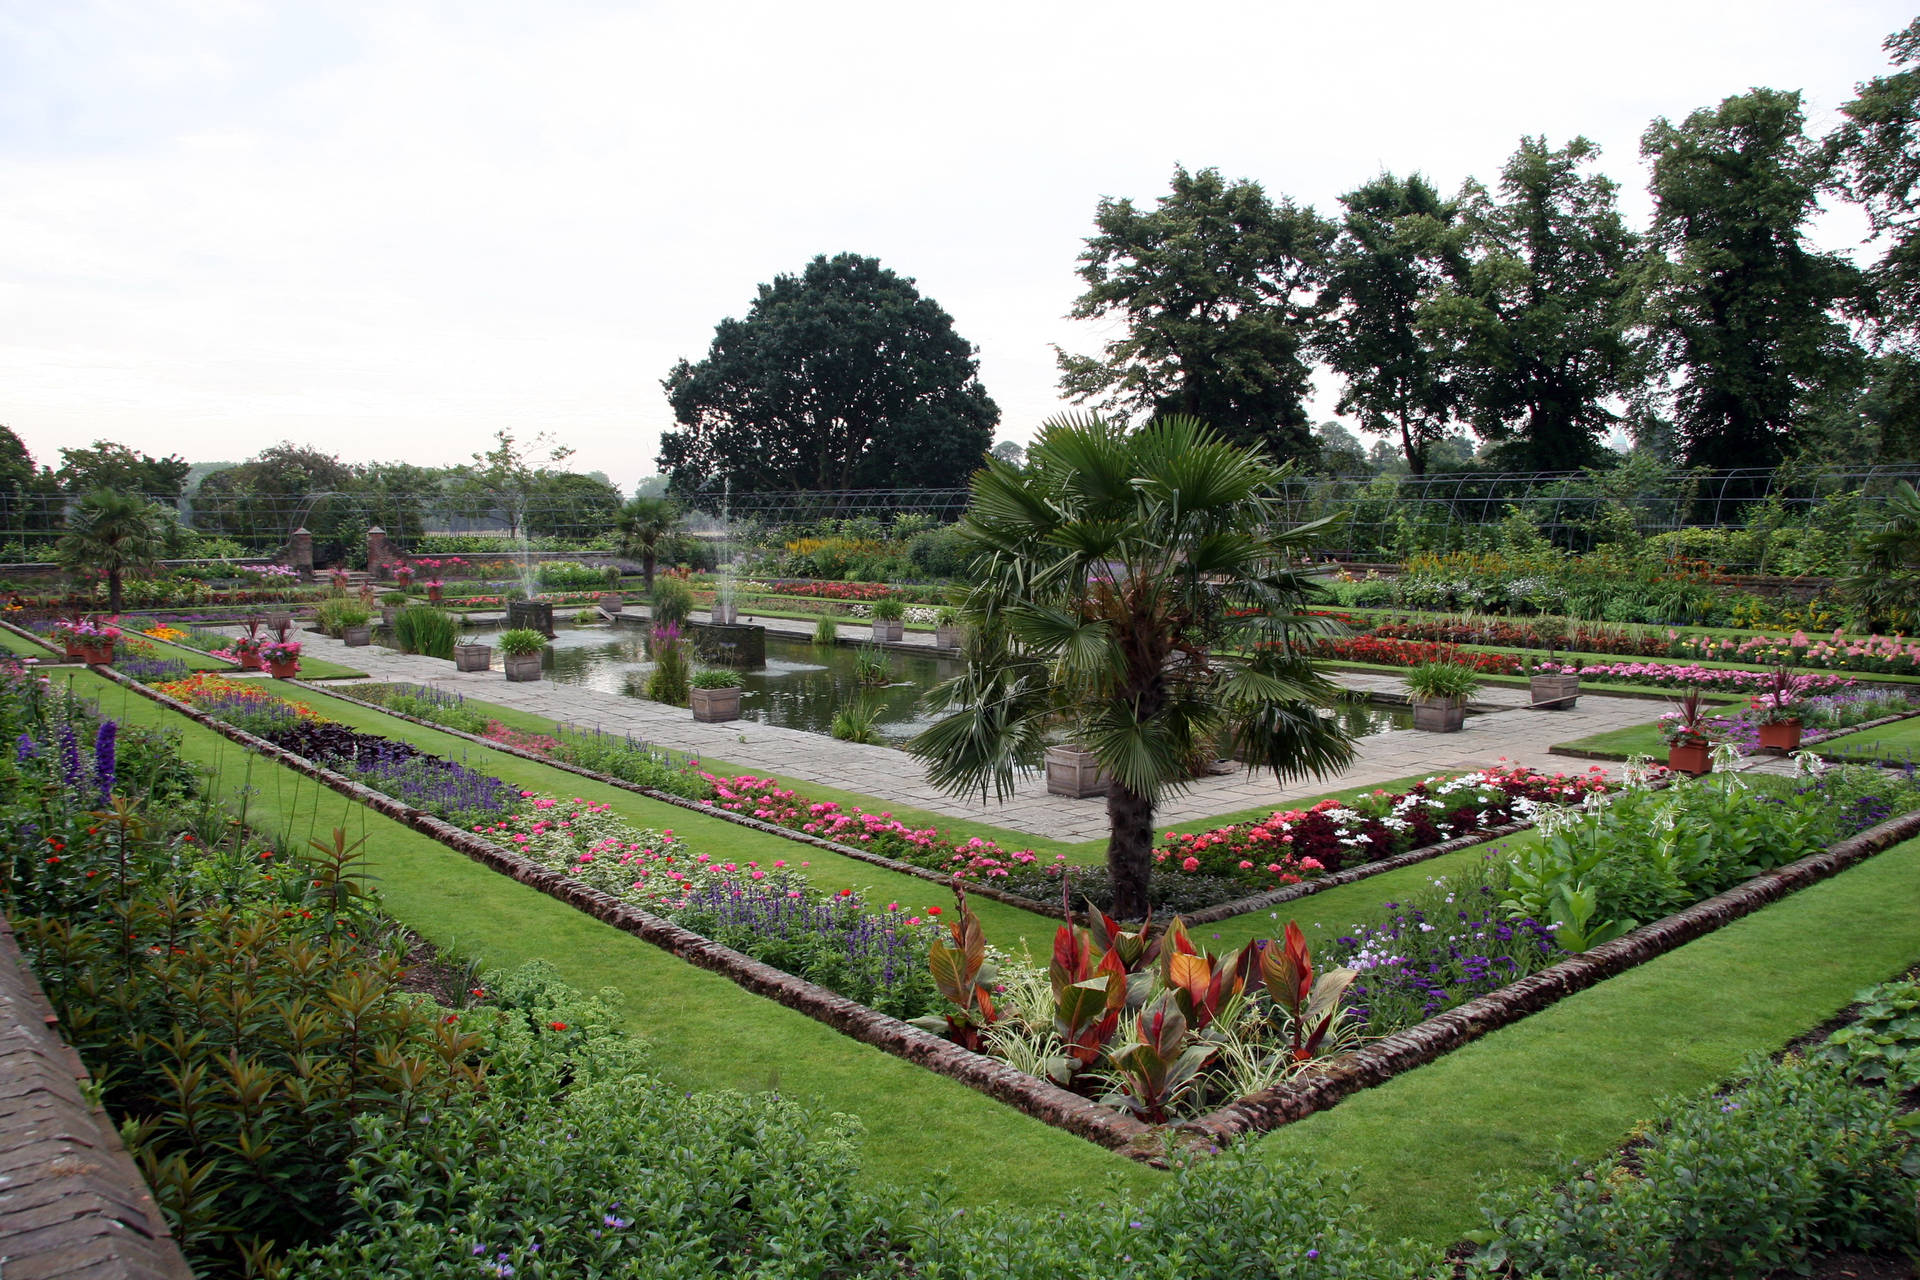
642	524
1217	286
1138	588
502	479
841	377
263	499
569	505
1538	332
114	466
1009	452
1875	156
1884	576
1399	244
1741	312
112	533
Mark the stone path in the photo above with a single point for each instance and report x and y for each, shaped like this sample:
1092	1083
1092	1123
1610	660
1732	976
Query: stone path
1505	732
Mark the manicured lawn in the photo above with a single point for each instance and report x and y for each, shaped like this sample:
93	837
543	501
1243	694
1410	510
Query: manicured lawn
1635	740
1573	1080
1890	742
26	648
707	1032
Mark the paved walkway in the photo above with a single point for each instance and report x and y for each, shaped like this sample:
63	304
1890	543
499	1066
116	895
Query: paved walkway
1506	731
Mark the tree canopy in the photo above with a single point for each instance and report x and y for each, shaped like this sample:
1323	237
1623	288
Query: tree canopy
842	377
108	465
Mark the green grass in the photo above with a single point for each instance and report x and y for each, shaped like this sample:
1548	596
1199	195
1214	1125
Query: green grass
1573	1080
1890	742
1635	740
708	1033
26	648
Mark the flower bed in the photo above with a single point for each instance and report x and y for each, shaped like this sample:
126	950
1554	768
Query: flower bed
1413	653
1671	675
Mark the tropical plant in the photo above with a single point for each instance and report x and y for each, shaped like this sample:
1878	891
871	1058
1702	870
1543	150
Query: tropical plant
1137	590
113	534
1688	722
1883	580
1441	682
642	524
518	642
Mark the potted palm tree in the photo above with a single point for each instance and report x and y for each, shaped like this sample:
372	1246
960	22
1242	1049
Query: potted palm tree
1688	736
1439	693
470	655
946	627
714	693
521	647
888	612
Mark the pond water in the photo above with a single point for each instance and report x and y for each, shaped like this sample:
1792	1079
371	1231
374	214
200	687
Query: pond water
803	686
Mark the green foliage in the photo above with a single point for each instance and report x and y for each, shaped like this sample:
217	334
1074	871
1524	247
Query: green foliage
1795	1161
1884	578
1216	288
889	609
644	525
857	721
336	614
114	534
841	377
714	678
672	665
1876	153
518	642
630	759
826	630
1441	682
672	602
570	575
1882	1044
421	628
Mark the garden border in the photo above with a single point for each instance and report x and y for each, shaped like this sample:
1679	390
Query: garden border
1206	915
1038	1098
1596	753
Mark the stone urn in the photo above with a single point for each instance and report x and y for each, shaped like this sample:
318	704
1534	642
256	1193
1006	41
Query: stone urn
358	637
1553	692
473	657
715	706
1440	715
1074	773
522	666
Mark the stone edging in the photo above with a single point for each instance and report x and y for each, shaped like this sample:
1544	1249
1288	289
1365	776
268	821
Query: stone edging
1444	1032
1041	1099
38	639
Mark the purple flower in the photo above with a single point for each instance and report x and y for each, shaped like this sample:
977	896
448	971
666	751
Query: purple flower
103	758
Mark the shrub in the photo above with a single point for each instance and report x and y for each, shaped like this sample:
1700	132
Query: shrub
518	642
714	678
672	602
423	629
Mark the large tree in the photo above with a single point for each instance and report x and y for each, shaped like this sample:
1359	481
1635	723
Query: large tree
501	481
842	377
1876	157
108	465
1217	286
112	532
263	499
1741	311
1538	331
1400	246
1136	589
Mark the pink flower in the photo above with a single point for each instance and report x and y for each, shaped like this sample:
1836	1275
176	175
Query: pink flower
1190	864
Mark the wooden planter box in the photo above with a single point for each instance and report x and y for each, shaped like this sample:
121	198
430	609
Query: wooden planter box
725	615
612	601
888	632
388	612
283	670
715	706
524	666
358	637
1781	736
1553	693
1440	715
948	637
472	657
1695	758
99	654
1075	774
249	660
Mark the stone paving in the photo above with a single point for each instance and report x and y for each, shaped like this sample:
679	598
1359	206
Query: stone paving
1505	730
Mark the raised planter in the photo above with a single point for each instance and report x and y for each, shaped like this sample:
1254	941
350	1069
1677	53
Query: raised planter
522	666
473	657
715	706
358	637
1781	736
1553	693
97	653
1695	758
389	612
284	670
612	601
885	632
1440	715
1075	774
433	595
725	615
948	637
249	660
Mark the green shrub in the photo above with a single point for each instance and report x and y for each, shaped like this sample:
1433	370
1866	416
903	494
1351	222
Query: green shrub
672	602
714	678
826	630
630	759
337	614
518	642
421	628
1882	1045
672	664
571	575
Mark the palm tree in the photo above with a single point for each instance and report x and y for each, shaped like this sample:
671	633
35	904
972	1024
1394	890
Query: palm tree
1884	577
642	524
111	532
1135	590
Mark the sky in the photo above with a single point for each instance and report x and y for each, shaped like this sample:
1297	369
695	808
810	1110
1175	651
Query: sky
390	230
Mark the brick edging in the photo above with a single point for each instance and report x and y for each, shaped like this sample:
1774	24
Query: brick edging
1041	1099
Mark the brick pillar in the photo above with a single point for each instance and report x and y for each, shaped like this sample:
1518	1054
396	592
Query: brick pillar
379	551
300	553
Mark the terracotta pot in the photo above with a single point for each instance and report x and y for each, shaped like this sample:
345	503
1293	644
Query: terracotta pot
97	653
1781	736
76	652
715	706
284	670
1695	758
433	595
249	660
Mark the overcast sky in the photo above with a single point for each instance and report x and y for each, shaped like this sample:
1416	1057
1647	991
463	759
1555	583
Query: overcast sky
389	230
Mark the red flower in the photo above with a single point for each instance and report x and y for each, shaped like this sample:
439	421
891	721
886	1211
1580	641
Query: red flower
558	1026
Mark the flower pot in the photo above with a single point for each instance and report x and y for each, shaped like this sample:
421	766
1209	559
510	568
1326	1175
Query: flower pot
522	666
612	601
249	660
356	637
97	653
472	657
284	670
433	595
886	632
725	614
1690	757
76	652
1440	715
715	706
947	637
1780	735
1553	693
1074	773
388	612
280	621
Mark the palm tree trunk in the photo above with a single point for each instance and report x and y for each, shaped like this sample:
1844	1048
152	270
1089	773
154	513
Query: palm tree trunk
646	569
1129	850
113	591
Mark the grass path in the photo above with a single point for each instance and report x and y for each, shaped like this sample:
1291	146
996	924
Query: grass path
707	1032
